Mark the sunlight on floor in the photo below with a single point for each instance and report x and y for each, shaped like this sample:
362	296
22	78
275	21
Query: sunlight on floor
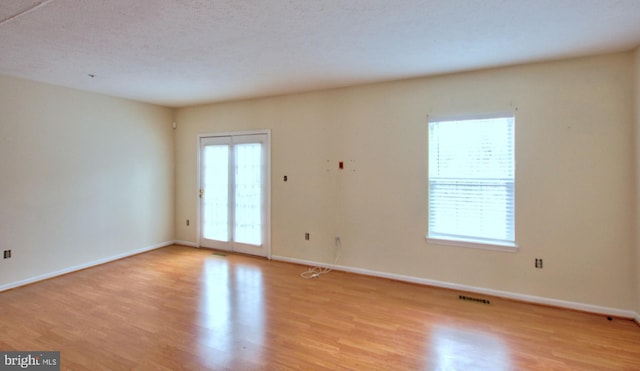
231	313
460	349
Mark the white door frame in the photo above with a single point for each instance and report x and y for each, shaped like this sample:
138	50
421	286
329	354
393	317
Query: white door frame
267	182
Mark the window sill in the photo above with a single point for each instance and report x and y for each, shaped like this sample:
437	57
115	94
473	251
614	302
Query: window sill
474	245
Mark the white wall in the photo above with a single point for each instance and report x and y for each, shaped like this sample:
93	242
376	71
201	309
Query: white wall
637	137
83	177
575	153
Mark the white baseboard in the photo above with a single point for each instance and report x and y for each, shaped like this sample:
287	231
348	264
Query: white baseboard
83	266
479	290
186	243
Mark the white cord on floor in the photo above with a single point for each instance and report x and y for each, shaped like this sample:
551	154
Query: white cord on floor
315	272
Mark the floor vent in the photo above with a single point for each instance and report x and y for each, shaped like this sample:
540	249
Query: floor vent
477	300
219	254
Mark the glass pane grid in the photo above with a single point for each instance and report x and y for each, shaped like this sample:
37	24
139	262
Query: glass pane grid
215	220
248	194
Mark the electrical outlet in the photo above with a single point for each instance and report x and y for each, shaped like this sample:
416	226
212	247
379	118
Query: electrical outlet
307	236
538	263
7	254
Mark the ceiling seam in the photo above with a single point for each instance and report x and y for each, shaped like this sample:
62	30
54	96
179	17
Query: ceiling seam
34	7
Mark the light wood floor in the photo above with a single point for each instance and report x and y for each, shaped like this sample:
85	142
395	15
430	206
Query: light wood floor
184	308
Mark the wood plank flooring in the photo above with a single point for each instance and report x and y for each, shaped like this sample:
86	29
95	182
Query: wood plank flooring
184	308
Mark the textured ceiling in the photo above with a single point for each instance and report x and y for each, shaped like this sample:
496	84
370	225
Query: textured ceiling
185	52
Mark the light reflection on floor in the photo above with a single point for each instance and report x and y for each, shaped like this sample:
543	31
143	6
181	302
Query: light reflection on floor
460	349
231	327
231	318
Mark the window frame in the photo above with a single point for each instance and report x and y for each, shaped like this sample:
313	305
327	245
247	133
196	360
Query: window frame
471	242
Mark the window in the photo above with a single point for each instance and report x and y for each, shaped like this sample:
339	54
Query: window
471	181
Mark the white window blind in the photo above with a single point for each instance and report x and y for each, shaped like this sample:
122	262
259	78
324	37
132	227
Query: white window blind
471	180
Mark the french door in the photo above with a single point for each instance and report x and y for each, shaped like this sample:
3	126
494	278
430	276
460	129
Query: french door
234	190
